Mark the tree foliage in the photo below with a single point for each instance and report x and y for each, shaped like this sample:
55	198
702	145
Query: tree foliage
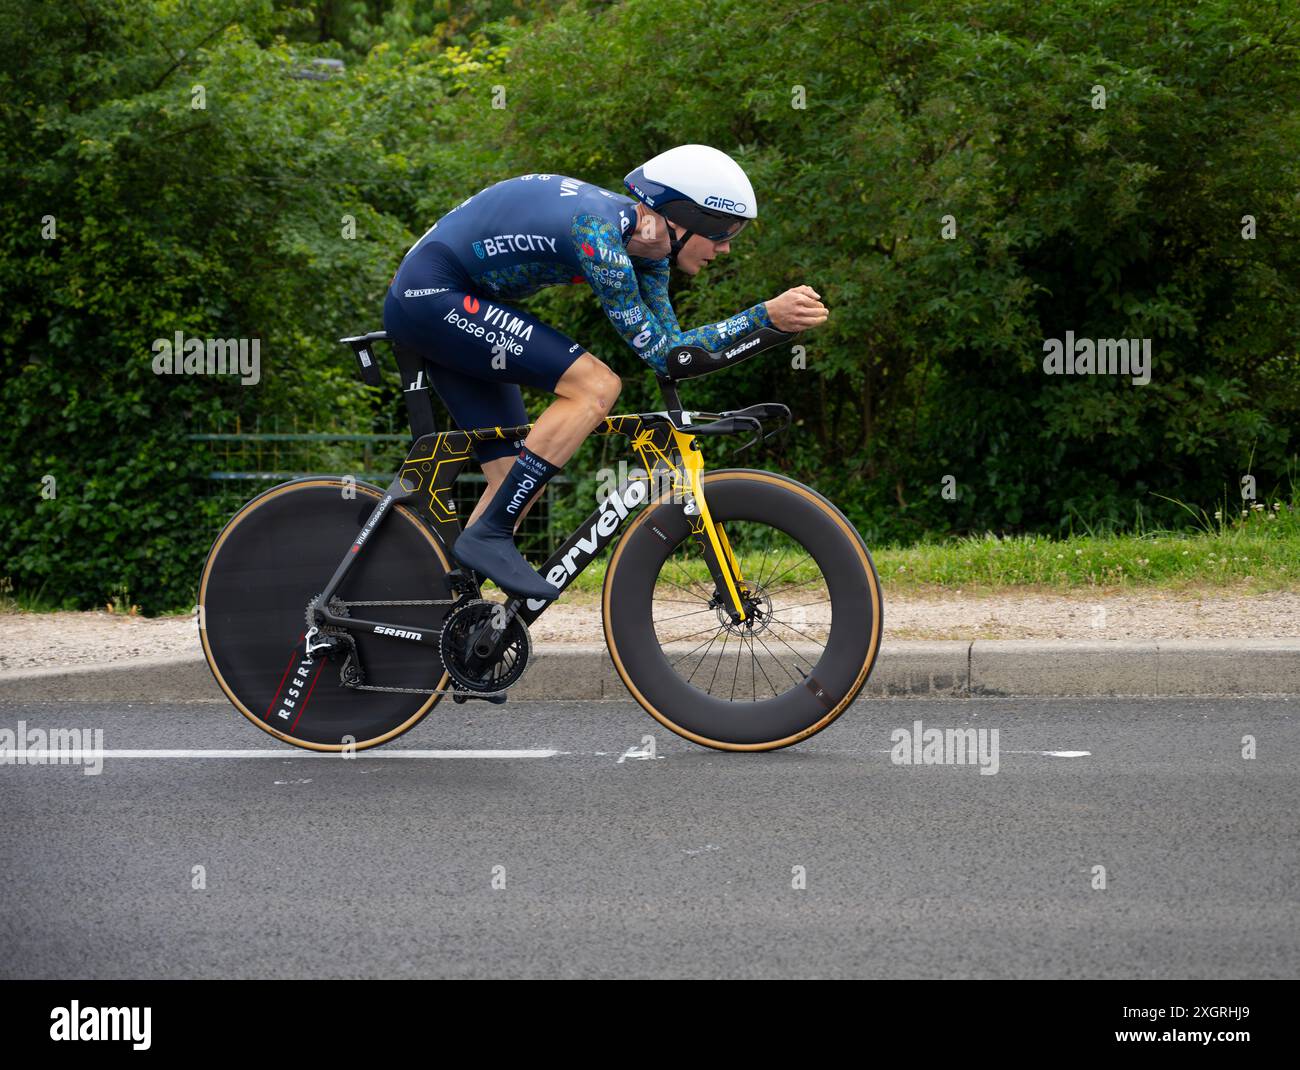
864	126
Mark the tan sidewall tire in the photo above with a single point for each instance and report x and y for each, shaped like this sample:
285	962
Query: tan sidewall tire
245	511
873	643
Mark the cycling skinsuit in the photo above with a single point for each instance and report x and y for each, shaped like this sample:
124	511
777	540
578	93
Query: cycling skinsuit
447	301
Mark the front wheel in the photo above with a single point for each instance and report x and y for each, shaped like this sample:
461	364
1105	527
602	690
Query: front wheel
814	615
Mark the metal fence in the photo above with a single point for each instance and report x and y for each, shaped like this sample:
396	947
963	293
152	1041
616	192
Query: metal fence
242	461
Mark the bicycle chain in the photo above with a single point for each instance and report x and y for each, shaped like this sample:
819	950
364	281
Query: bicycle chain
336	604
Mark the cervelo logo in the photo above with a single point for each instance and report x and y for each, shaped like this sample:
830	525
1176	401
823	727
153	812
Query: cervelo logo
381	629
513	243
615	512
724	203
425	293
737	350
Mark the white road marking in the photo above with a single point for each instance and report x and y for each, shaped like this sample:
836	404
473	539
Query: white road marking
1042	753
56	757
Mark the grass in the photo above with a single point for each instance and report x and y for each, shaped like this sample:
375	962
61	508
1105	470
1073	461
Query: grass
1255	549
1259	550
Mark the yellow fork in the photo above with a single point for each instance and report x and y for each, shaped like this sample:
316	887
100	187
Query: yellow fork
693	463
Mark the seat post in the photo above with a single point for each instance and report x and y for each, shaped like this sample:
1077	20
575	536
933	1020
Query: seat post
415	392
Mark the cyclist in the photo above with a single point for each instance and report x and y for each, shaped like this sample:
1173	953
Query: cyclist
447	302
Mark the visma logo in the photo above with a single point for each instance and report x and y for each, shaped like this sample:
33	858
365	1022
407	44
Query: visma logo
725	203
478	250
470	303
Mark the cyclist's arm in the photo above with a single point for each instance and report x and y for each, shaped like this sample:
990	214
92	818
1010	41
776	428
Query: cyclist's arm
653	278
637	302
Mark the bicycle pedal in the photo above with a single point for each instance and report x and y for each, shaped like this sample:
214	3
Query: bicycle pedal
465	696
463	581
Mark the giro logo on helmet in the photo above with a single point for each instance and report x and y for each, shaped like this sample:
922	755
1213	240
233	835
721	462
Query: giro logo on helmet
724	203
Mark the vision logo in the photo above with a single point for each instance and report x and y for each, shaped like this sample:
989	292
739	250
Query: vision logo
470	303
478	250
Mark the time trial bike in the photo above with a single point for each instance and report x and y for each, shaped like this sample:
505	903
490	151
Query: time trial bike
741	609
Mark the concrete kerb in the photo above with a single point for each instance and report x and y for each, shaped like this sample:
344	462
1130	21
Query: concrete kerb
956	669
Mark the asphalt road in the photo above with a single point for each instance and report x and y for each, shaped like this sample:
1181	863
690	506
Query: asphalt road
677	865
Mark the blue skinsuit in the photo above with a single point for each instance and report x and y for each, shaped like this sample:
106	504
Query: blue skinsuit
448	300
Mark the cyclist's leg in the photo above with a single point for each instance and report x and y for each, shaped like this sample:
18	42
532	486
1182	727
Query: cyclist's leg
585	395
470	337
477	403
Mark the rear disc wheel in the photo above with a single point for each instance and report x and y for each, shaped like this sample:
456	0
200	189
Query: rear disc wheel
277	554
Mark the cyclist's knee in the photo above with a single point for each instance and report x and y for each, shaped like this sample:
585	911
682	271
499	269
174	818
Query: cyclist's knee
591	382
606	392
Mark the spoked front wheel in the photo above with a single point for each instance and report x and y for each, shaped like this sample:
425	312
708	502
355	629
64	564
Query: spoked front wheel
813	623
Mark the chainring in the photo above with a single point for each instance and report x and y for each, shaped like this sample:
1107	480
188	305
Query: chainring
474	620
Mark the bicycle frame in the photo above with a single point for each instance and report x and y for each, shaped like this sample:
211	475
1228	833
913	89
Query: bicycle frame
669	455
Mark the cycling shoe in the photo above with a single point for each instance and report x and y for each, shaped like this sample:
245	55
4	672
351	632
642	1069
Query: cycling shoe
496	557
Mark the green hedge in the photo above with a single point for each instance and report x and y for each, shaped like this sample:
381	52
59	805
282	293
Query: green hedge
230	221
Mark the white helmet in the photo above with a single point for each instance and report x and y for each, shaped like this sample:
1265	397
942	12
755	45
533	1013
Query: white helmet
702	190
